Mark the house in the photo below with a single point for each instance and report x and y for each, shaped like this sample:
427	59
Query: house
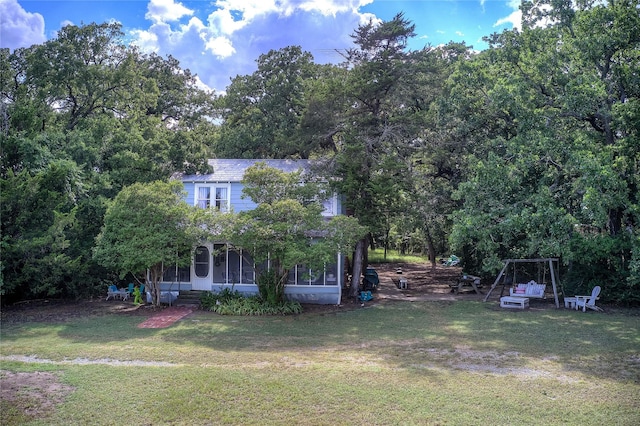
215	266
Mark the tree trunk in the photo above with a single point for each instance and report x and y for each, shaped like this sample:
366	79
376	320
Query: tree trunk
155	273
431	249
386	241
357	267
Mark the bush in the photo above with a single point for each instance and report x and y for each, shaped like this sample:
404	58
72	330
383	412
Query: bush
271	287
232	302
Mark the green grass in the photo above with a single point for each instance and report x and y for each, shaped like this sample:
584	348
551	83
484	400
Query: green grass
393	363
394	256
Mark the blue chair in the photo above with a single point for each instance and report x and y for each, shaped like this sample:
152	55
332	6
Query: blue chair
130	289
112	291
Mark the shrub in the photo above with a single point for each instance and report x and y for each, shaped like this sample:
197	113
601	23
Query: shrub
232	302
271	287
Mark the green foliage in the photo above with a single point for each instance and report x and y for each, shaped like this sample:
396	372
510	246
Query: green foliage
40	256
608	267
263	112
286	228
84	115
147	227
512	152
271	286
231	302
552	169
209	299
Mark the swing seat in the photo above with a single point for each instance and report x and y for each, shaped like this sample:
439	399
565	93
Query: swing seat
530	289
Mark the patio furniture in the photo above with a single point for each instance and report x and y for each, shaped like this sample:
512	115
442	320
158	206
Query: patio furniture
514	302
588	301
570	302
530	289
167	297
114	292
466	282
453	260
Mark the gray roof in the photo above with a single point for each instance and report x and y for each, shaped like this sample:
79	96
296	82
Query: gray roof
232	170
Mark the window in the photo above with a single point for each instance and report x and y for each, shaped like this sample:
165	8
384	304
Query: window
232	265
300	275
212	196
176	274
330	206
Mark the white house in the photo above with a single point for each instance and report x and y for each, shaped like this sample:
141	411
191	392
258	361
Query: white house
215	267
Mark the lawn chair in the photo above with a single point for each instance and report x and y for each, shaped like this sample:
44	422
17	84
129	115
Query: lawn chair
370	280
588	301
130	289
452	261
113	291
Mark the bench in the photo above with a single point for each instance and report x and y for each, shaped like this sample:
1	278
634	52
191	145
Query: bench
466	282
531	289
514	302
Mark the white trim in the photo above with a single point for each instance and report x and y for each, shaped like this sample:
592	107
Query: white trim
212	201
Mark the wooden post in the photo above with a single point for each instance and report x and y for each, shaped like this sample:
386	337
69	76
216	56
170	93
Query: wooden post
495	283
553	281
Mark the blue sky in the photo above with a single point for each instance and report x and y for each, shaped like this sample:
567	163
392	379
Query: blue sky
219	39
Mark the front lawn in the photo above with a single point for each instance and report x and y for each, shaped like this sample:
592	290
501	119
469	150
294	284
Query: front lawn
390	363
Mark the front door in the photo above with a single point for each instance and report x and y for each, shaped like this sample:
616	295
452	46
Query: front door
202	268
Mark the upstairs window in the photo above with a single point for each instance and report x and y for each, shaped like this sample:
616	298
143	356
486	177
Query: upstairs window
212	196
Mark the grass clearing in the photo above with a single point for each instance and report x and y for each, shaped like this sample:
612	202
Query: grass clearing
394	256
390	363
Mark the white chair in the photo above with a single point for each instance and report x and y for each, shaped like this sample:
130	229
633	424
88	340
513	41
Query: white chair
588	301
112	292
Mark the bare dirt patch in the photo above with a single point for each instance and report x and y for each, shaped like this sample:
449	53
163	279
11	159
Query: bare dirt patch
55	311
26	396
423	279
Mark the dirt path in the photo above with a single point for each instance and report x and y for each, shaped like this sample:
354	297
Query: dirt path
424	282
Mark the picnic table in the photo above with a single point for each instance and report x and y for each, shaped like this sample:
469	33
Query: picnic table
466	283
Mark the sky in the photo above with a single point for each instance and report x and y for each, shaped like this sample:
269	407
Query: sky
220	39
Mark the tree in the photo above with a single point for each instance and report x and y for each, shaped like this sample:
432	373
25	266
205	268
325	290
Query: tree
286	228
147	228
262	112
375	129
555	164
86	103
38	220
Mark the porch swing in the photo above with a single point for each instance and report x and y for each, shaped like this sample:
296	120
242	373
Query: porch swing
532	288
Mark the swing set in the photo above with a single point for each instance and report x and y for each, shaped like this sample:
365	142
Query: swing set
515	270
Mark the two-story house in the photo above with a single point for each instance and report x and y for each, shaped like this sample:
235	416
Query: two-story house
215	266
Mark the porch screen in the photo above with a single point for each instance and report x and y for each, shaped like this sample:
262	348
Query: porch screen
201	262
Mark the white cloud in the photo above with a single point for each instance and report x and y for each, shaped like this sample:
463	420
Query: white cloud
166	11
227	40
222	21
19	28
514	4
220	47
514	18
459	33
